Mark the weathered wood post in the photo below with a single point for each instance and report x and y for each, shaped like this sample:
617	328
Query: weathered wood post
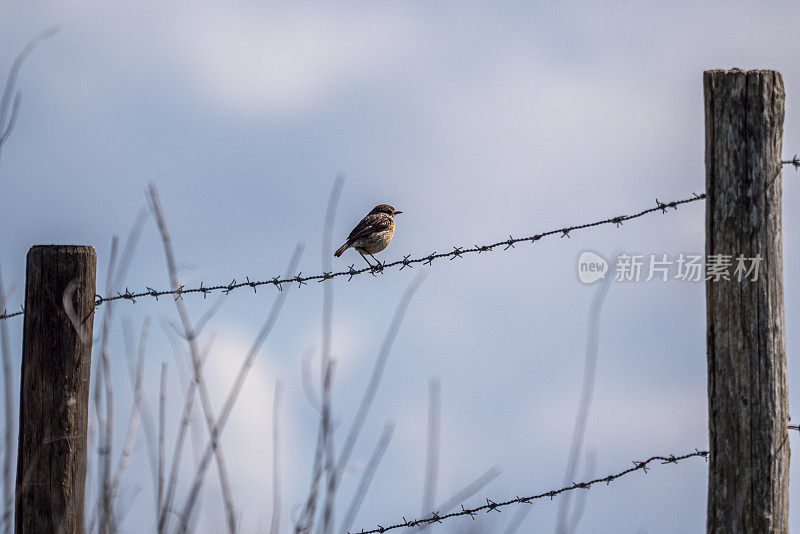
748	405
54	390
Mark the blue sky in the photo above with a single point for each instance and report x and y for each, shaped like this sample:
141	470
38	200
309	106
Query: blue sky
478	120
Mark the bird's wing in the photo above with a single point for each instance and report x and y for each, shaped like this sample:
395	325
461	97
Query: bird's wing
369	225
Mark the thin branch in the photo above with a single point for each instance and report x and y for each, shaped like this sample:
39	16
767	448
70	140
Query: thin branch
323	455
185	374
276	460
308	385
11	83
326	365
187	419
7	499
125	504
366	477
432	455
162	408
133	422
589	372
580	504
469	490
233	395
306	519
12	121
517	520
131	242
150	434
105	412
207	316
188	330
377	372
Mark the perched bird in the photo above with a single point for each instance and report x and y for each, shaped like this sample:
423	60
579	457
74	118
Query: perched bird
373	233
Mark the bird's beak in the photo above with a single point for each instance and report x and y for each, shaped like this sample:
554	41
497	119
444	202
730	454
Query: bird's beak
397	212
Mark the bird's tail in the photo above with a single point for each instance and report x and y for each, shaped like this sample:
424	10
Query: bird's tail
341	250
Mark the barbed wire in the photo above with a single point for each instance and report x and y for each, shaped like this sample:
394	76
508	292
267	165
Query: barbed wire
795	162
492	506
457	252
407	261
7	315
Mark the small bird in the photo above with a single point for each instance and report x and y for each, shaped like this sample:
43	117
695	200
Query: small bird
372	234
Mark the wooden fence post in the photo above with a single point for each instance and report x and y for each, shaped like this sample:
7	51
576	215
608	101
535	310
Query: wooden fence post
748	404
54	390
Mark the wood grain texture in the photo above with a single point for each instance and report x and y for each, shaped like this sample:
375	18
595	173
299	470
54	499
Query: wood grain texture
54	391
747	386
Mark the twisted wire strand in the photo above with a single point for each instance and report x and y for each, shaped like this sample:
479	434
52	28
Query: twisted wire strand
492	506
407	261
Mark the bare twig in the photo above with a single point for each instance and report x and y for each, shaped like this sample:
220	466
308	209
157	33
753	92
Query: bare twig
133	422
12	121
7	498
585	403
189	334
377	373
469	490
189	420
207	316
366	477
324	461
150	434
104	405
308	386
104	409
162	408
432	455
306	518
233	395
125	503
6	101
517	519
275	524
186	421
326	363
580	504
131	242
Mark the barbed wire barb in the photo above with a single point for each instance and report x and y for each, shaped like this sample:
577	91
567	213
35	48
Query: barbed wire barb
406	261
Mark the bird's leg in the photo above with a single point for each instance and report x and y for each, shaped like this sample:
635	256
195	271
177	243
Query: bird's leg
376	259
365	259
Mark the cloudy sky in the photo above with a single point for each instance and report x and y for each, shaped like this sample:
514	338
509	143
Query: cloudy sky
478	120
